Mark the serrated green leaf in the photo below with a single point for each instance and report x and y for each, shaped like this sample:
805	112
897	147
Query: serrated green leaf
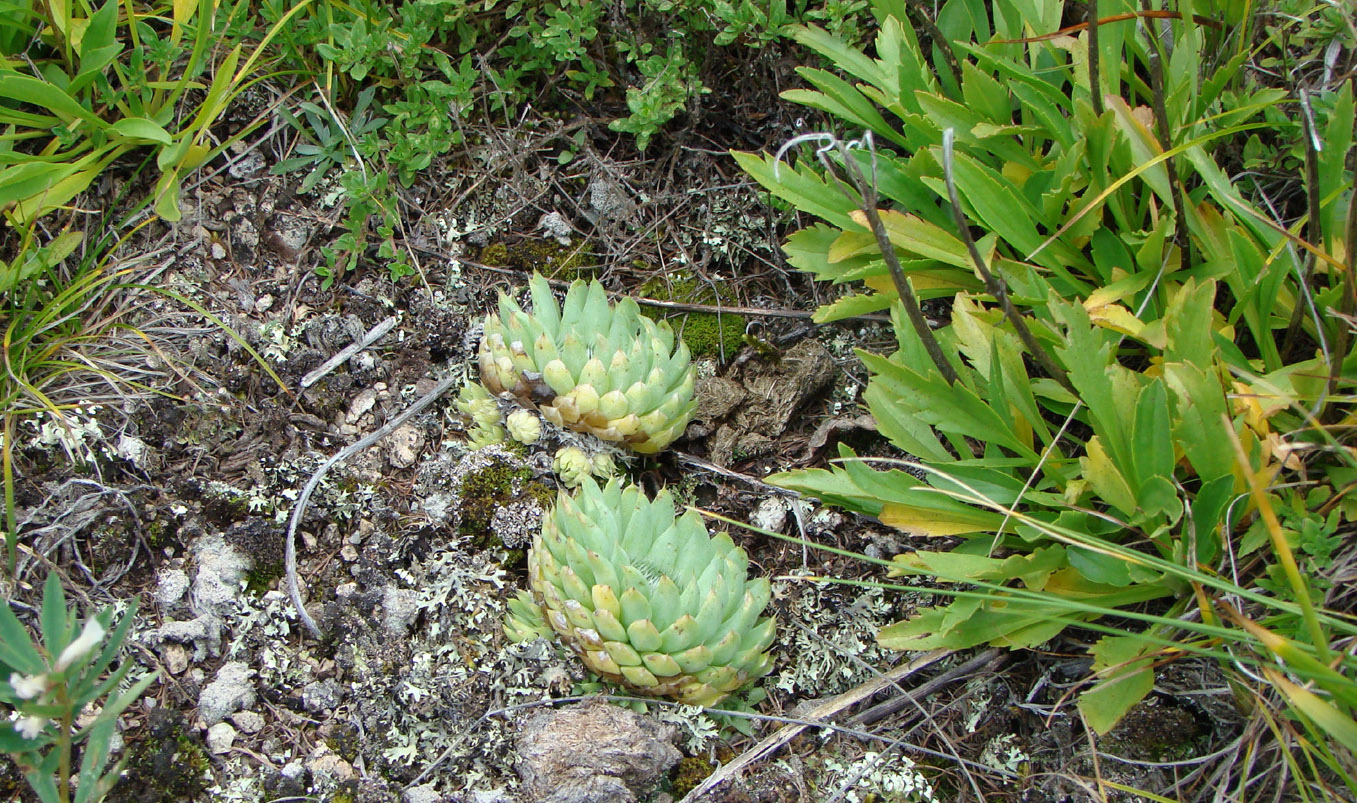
1127	675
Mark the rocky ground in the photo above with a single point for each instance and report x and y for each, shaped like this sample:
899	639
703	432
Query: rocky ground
178	502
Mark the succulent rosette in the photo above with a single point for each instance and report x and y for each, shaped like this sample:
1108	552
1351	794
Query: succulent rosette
572	465
590	366
648	601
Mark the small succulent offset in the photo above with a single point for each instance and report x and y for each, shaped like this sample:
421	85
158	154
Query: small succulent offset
590	366
572	465
475	403
47	687
523	427
648	601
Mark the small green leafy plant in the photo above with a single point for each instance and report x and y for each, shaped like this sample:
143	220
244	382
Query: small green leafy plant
48	685
330	143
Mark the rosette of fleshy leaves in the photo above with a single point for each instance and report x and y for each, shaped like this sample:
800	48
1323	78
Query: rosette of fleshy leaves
590	366
572	464
648	601
474	402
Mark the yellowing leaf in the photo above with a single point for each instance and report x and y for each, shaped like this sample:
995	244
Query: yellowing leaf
918	521
1329	718
914	235
1106	480
850	244
1127	676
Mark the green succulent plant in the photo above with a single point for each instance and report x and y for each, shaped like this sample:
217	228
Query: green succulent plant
646	600
572	465
590	366
523	427
475	402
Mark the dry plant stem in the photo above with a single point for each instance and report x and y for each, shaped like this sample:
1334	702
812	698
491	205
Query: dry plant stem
1349	303
1161	124
11	528
1094	68
990	658
995	285
373	335
1280	546
910	301
823	711
290	553
1314	228
940	40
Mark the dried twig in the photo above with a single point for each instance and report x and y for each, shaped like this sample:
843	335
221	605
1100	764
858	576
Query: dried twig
290	556
994	284
373	335
823	711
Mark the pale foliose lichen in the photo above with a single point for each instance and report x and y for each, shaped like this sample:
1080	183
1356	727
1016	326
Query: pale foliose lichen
76	432
831	629
876	776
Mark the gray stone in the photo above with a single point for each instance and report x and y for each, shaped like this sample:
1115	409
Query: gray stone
220	737
230	691
217	581
593	753
400	606
421	794
170	587
321	695
248	721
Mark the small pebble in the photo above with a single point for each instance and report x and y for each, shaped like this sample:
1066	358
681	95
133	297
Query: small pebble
220	737
176	658
248	721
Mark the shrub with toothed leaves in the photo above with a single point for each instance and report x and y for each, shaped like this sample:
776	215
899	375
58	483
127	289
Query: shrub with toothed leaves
590	366
647	600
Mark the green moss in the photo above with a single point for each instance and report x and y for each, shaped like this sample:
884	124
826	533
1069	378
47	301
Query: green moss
168	765
344	741
707	334
547	257
688	773
493	487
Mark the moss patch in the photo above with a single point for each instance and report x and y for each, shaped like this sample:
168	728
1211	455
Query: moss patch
547	257
486	490
168	766
707	334
688	773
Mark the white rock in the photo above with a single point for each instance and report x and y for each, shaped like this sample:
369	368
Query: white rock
220	737
217	582
361	404
400	606
293	770
332	765
231	691
203	632
771	514
132	449
170	587
248	721
403	445
421	794
175	657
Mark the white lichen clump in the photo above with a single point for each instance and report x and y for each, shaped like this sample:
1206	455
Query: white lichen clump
876	776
